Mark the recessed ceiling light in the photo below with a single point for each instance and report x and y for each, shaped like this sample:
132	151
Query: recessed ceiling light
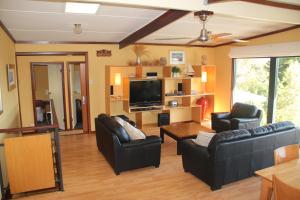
86	8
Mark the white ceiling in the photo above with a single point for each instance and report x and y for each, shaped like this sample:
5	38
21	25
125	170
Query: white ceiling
40	20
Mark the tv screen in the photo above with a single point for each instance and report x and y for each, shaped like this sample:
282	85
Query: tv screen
145	93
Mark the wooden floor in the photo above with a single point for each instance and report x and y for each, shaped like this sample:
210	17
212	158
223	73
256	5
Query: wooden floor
87	176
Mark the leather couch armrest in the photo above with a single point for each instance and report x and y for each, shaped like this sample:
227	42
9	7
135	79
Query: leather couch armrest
137	143
244	120
220	115
244	123
190	148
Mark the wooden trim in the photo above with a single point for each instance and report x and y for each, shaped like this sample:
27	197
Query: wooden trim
53	53
262	2
69	96
233	71
62	42
88	91
18	88
32	64
262	35
153	44
163	20
110	43
7	32
180	45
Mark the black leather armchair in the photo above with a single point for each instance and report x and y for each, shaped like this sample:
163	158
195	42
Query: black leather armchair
242	116
123	154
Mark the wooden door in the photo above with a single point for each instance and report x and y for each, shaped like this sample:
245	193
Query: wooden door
77	72
84	97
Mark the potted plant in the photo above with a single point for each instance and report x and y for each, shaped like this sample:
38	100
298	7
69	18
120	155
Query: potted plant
139	51
176	71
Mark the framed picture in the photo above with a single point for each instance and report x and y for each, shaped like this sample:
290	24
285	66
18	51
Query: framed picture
177	57
1	103
11	76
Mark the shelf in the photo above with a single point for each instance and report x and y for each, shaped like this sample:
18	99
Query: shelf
190	95
181	78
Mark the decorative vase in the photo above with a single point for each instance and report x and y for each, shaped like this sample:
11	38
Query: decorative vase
203	102
138	60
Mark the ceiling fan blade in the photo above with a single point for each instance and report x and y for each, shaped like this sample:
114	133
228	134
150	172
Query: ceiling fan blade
219	35
179	38
240	41
192	41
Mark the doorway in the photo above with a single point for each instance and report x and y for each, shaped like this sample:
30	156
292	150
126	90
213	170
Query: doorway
77	93
47	91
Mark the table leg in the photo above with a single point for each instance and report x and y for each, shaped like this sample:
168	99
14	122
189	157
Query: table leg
179	147
162	135
266	190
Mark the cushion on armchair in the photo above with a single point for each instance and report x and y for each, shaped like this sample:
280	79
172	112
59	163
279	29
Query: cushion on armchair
134	133
116	128
241	110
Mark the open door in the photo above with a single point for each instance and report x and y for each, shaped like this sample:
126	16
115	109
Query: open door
78	102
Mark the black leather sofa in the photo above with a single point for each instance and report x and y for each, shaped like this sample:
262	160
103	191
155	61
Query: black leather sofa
237	154
123	154
242	116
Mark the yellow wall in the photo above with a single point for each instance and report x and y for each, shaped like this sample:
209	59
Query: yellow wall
10	116
97	68
224	66
25	83
216	56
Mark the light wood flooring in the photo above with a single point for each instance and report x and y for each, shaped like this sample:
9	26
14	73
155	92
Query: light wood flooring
87	176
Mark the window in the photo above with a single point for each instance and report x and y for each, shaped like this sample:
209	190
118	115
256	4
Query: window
272	84
252	83
287	104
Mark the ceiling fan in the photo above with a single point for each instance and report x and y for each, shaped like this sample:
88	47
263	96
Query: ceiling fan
205	35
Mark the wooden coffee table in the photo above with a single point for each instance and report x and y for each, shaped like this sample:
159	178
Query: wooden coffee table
182	131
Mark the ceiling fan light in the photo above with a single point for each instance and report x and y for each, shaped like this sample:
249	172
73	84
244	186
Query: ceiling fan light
77	29
203	35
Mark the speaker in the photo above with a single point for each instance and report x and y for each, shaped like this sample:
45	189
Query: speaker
151	74
111	90
179	87
163	119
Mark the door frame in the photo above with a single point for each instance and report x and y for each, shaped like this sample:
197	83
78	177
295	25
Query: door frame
33	87
68	53
69	90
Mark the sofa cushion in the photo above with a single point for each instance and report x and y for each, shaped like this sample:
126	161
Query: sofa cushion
262	130
134	133
203	138
280	126
115	127
241	110
227	136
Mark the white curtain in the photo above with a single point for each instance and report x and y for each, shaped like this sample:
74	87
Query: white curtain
269	50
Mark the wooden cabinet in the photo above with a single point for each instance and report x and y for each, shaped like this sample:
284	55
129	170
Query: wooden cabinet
193	89
29	161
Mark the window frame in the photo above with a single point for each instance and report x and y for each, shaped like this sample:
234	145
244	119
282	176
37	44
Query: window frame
273	82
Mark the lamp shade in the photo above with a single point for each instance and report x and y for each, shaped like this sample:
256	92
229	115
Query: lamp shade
204	77
117	79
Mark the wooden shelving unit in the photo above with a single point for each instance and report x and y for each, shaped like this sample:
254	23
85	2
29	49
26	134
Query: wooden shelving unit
193	89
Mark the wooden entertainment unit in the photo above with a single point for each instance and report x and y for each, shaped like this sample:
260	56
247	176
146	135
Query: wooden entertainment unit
192	87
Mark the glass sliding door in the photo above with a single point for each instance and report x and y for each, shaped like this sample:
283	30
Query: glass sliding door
287	102
251	83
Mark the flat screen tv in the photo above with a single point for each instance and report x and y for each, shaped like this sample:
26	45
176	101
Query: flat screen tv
145	93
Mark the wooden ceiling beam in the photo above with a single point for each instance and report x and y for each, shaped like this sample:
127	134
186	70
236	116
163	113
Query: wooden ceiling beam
163	20
262	2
